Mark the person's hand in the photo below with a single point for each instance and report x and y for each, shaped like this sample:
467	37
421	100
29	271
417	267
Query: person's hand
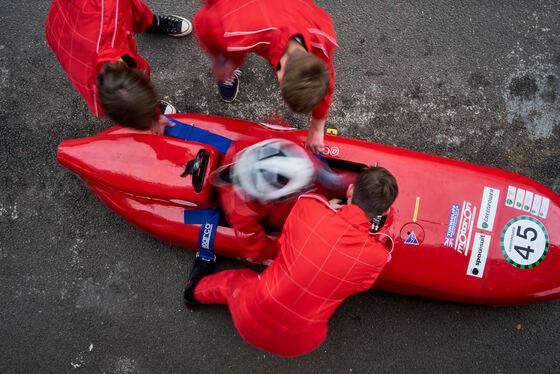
314	142
336	203
222	69
158	127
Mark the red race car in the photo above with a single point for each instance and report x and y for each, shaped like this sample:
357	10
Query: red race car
462	232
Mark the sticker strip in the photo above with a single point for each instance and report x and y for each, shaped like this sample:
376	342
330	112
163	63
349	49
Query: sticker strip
519	198
536	205
488	207
452	225
479	253
544	207
510	196
415	216
528	201
465	227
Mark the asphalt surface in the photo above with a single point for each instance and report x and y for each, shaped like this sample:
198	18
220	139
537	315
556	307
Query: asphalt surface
82	290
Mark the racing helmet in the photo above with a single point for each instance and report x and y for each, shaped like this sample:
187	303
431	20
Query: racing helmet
273	169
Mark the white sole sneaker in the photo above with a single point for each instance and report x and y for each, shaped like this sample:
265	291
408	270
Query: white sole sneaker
186	28
166	108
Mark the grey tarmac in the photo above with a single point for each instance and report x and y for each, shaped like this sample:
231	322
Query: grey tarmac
85	291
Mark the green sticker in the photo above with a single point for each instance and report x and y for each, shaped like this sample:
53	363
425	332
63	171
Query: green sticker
524	242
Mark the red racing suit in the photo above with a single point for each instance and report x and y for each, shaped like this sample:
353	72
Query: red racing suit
85	34
250	219
234	28
325	256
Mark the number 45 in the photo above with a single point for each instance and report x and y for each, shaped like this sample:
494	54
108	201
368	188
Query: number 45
525	251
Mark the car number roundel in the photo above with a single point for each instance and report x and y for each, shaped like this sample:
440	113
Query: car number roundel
524	242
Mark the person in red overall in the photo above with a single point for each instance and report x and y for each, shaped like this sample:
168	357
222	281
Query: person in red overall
325	256
93	41
261	189
252	221
295	36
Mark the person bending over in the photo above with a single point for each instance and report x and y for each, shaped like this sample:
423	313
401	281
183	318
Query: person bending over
93	41
295	36
325	255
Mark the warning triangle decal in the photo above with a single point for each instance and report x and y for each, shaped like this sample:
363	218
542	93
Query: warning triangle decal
411	239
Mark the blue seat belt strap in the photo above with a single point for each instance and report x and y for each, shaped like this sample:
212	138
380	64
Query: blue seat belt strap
195	134
208	221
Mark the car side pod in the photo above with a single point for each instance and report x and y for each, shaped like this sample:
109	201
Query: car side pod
462	232
151	181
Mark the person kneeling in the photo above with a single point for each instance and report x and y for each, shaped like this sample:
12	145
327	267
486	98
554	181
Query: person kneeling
325	255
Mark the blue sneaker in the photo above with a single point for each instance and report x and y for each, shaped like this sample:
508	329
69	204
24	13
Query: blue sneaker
229	88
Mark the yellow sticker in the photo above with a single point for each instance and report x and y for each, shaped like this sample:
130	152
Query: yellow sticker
415	216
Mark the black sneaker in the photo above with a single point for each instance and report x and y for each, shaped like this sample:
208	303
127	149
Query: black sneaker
200	269
166	108
171	25
229	88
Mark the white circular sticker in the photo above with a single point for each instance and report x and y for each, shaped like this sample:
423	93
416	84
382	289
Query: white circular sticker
524	242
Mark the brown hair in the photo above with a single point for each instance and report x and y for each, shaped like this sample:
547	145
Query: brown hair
375	191
305	83
127	96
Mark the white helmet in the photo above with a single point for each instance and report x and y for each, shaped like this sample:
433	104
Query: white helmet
273	169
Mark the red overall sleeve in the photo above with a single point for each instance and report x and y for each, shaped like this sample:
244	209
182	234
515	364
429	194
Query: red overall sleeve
254	244
142	17
209	32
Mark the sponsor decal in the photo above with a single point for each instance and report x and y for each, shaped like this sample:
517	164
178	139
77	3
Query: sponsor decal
464	229
524	242
452	225
412	239
519	198
479	254
536	205
544	207
205	241
528	201
488	207
510	198
332	150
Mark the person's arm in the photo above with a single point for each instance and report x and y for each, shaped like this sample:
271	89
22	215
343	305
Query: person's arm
222	67
158	126
336	203
314	142
256	245
208	30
